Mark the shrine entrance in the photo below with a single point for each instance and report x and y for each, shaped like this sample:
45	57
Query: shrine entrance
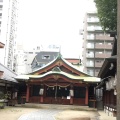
58	95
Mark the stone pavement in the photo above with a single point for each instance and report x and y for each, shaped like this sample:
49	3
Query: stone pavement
104	116
43	114
47	112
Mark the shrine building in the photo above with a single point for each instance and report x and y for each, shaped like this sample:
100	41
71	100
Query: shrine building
58	82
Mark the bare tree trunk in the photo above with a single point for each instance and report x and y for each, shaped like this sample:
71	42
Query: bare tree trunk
118	59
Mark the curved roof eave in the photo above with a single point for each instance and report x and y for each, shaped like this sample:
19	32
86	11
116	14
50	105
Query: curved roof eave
73	77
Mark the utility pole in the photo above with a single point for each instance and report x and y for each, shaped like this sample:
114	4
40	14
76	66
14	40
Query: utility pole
118	60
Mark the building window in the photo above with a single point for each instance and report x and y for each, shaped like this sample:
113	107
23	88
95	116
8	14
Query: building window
90	36
90	71
99	52
100	43
108	52
30	52
38	47
46	57
109	43
98	61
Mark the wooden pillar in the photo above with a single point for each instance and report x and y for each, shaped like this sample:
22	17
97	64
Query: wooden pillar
109	99
105	97
27	93
41	99
86	96
71	100
71	94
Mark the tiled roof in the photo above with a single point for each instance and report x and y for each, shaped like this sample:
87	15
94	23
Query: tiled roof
65	61
8	74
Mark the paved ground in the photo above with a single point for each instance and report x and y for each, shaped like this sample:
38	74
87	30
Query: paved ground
62	112
44	114
53	114
104	116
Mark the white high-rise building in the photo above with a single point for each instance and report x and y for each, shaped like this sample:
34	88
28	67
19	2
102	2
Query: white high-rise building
8	31
97	45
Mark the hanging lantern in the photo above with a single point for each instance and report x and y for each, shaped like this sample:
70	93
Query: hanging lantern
71	92
41	91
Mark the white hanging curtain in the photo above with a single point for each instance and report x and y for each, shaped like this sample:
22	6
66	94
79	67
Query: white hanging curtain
71	93
41	91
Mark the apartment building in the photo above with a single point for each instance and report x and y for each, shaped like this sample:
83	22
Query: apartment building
97	45
8	31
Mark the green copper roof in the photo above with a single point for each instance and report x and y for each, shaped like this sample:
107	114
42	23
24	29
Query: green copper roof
70	76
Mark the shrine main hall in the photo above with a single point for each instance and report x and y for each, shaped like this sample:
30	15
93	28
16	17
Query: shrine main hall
58	82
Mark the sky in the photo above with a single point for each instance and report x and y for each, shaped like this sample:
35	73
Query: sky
59	22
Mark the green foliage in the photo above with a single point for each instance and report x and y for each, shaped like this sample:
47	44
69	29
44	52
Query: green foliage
107	13
1	95
4	96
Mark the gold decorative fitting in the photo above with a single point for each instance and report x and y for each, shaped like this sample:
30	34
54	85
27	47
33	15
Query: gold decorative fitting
55	77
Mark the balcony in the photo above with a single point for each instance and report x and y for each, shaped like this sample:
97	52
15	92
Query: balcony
103	55
93	20
90	38
98	64
103	46
90	47
103	37
90	55
89	65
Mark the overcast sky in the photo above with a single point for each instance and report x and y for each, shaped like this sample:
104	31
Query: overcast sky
44	22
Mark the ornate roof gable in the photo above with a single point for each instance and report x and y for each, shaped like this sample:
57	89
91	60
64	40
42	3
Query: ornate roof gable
56	64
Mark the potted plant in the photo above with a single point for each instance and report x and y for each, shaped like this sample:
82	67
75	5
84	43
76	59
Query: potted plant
2	99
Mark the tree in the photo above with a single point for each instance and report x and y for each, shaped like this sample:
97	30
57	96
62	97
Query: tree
107	13
118	60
